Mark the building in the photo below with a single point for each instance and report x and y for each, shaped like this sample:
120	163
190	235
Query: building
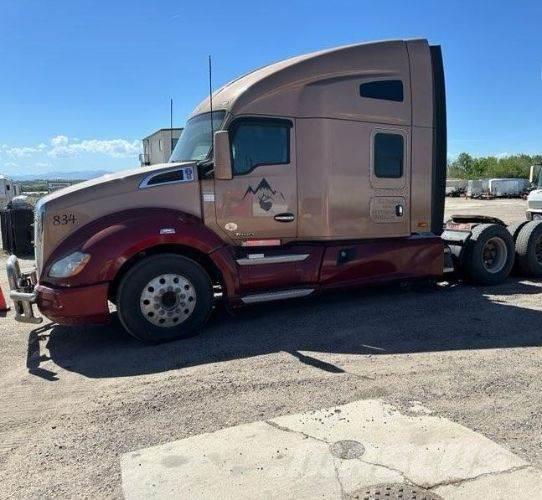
158	146
8	190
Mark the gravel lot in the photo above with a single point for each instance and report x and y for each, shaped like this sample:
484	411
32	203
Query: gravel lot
73	400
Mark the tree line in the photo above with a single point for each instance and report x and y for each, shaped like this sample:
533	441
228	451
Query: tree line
466	166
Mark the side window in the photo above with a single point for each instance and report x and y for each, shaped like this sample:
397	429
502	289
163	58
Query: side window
388	155
260	142
387	90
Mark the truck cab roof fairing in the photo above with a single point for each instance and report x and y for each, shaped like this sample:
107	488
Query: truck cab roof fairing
310	85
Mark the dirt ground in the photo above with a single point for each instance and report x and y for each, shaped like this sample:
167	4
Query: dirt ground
73	399
510	210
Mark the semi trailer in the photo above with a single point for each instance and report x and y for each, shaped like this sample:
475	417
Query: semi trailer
318	172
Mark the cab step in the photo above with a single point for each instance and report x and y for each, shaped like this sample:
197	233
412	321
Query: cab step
278	295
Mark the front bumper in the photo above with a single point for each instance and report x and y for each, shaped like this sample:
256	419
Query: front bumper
65	306
22	291
534	214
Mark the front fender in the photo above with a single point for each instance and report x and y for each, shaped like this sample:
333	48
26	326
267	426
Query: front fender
116	238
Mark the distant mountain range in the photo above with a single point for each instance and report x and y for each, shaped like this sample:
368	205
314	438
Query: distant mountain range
65	176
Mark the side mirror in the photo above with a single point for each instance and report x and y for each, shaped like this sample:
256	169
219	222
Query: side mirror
221	150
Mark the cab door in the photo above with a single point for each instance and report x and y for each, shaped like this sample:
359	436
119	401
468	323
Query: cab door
389	205
260	201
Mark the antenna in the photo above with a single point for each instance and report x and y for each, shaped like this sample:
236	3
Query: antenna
171	124
211	97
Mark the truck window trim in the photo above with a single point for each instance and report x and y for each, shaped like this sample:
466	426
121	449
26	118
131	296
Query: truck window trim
236	123
383	90
402	164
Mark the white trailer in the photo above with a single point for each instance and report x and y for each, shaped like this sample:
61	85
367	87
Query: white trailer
507	188
455	187
477	188
460	184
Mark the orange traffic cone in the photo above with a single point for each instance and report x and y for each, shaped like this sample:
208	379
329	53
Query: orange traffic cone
3	306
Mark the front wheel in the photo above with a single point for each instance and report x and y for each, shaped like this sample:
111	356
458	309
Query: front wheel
164	297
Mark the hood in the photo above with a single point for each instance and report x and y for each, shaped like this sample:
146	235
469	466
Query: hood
63	212
95	184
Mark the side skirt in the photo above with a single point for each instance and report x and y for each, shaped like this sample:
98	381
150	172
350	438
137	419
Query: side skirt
298	269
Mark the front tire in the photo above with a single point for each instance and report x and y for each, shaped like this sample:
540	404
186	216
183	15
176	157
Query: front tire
164	297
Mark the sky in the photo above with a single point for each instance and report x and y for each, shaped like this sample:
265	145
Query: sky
81	81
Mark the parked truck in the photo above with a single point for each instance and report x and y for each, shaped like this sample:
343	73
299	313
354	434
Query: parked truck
534	200
318	172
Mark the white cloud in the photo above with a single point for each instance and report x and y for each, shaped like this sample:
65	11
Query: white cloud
59	140
19	151
63	147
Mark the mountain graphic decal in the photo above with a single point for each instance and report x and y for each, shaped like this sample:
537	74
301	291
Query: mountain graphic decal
265	194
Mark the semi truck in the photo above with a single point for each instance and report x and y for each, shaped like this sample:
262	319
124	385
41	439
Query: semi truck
534	200
318	172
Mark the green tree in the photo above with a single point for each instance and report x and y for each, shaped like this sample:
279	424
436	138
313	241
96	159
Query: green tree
466	166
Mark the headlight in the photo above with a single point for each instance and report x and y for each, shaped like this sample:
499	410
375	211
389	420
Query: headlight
69	266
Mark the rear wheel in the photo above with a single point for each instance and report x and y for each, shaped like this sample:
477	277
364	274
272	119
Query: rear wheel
514	229
164	297
529	249
489	256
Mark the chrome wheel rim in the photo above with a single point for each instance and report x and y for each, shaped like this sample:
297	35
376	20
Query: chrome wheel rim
168	300
494	255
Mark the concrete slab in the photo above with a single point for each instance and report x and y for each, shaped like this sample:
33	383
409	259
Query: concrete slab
328	453
522	483
427	450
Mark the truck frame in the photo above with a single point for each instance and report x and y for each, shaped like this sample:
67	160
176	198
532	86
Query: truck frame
319	172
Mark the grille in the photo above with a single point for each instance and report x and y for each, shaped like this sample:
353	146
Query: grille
393	491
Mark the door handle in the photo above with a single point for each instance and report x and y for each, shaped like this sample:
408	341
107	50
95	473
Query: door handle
399	210
285	217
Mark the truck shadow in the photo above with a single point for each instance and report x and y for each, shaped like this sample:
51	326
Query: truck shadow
381	321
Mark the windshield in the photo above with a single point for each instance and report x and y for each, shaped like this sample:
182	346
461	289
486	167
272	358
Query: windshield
196	141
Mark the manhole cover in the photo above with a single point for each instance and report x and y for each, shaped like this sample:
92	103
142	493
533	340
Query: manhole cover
347	449
398	491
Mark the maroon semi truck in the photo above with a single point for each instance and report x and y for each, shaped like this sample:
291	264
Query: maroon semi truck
318	172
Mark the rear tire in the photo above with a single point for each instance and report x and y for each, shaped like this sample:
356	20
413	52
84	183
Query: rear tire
164	297
529	249
514	229
489	254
